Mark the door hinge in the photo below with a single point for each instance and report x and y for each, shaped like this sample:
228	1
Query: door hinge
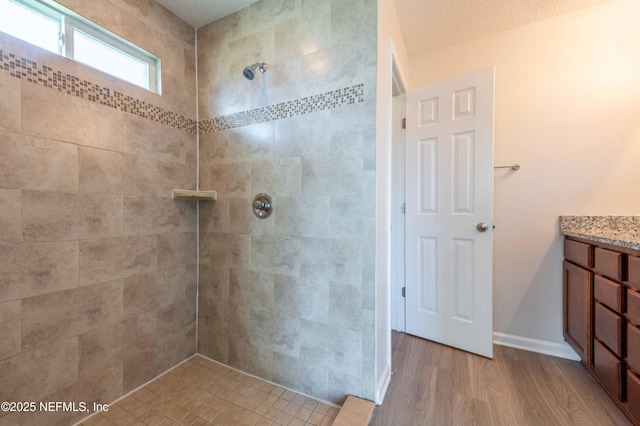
404	292
404	123
404	207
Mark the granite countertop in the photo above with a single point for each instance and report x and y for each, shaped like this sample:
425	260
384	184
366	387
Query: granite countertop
621	231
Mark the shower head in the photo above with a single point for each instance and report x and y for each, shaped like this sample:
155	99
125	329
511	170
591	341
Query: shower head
249	71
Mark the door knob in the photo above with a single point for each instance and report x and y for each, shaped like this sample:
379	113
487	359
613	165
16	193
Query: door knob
482	227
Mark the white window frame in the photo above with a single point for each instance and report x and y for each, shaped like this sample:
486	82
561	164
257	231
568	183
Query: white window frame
70	20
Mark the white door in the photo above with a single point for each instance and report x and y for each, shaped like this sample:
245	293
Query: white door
449	196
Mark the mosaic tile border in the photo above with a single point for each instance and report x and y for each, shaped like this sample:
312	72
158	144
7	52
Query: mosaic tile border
328	100
42	75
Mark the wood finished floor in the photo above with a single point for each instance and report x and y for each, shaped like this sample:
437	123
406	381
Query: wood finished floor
434	384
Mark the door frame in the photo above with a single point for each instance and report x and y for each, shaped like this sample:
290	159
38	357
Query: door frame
399	89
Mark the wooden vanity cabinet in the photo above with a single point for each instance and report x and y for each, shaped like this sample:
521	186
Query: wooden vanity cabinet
577	291
601	289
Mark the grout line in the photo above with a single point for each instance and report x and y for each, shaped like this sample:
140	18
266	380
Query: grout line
197	202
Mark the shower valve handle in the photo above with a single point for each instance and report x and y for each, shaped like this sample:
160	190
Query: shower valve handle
261	205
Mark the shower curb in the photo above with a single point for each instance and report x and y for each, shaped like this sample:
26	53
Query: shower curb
354	412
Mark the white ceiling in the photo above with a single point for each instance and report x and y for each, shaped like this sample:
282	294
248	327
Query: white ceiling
201	12
430	24
426	24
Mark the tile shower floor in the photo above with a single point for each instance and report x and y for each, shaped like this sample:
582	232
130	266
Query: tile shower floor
203	392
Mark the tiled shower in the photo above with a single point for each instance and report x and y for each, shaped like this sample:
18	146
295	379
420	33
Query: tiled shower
106	282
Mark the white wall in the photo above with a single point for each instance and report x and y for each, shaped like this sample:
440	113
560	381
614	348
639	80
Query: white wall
388	29
568	110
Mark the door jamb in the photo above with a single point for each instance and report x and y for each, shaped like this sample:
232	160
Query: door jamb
399	88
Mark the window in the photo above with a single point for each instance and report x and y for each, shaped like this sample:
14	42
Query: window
59	30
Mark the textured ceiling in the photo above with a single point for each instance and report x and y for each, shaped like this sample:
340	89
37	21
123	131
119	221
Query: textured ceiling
426	24
202	12
430	24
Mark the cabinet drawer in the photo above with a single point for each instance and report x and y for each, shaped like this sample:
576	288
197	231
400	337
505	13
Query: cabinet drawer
633	395
608	263
633	347
633	306
634	272
578	253
608	328
608	293
608	369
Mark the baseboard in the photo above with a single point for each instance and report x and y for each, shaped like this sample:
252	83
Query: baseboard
560	350
383	385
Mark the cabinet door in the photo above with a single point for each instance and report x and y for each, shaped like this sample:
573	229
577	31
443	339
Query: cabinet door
577	291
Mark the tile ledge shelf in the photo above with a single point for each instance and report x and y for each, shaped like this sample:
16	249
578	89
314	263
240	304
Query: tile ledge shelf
187	194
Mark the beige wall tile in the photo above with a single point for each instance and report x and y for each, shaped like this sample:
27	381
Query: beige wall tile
249	290
251	358
107	346
144	215
303	35
115	258
232	180
11	217
55	115
214	217
323	153
303	135
176	334
336	173
9	103
10	332
242	219
256	47
103	387
279	178
115	173
302	217
138	334
143	293
34	163
174	176
10	419
148	292
55	316
177	249
331	260
276	254
102	13
268	14
228	250
99	349
212	345
33	375
155	140
51	216
295	372
100	170
299	298
33	269
158	158
175	317
139	175
138	370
